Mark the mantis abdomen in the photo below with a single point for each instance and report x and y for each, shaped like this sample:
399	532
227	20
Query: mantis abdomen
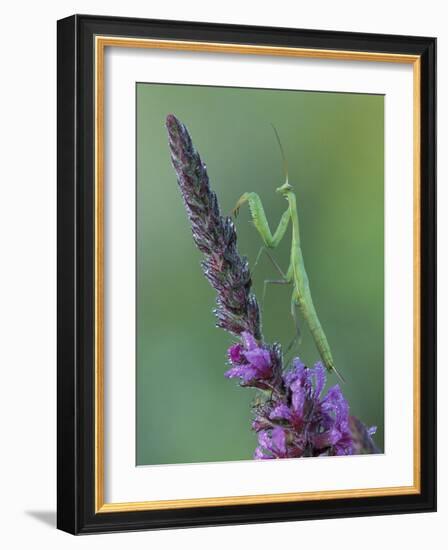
301	297
307	309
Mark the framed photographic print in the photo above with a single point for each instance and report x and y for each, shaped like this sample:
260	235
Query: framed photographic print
246	274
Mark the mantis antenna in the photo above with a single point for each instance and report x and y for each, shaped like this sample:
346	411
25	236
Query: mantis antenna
285	162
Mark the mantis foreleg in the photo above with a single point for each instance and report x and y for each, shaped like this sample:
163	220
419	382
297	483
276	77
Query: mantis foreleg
260	221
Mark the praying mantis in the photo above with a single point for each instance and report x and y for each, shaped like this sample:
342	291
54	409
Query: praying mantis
296	275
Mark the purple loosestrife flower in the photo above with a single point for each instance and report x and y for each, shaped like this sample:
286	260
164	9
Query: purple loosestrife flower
273	444
228	272
251	362
304	423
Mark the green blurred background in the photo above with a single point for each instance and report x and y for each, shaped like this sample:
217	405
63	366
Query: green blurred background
186	410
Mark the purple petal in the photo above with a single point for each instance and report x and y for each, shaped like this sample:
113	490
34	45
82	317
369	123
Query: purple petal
259	358
264	440
298	364
334	394
281	412
246	372
296	372
279	439
259	454
235	354
320	377
248	340
343	450
249	373
235	372
298	399
335	404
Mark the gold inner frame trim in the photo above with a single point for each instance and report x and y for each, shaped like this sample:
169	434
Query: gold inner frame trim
101	42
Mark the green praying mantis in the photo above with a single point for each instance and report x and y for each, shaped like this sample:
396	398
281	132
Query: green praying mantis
296	275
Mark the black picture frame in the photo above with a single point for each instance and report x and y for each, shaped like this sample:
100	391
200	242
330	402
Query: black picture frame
76	301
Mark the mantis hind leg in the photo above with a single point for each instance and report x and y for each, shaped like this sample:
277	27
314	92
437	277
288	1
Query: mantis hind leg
272	282
264	250
285	278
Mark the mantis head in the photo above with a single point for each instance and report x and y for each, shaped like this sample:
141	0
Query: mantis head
284	189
